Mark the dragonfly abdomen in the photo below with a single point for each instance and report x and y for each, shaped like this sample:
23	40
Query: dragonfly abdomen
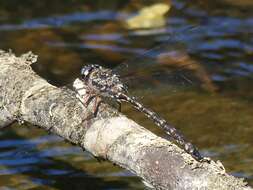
162	123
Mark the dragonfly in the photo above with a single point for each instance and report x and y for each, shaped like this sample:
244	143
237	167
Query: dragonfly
99	82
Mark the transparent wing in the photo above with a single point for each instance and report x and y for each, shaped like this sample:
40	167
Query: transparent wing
168	65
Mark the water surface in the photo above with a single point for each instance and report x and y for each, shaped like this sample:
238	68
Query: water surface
212	41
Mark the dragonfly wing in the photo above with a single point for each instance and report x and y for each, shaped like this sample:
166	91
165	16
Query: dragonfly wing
168	64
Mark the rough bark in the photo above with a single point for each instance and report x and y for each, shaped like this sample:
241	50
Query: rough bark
25	96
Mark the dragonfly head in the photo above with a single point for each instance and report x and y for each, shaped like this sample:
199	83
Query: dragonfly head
88	69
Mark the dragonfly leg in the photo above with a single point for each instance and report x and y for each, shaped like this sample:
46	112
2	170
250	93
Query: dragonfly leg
119	105
97	103
85	95
87	99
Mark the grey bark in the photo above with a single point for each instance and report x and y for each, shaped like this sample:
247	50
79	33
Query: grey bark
25	96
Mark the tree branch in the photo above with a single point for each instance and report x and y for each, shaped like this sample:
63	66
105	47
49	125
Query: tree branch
24	96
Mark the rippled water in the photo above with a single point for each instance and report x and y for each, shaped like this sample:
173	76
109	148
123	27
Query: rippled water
213	39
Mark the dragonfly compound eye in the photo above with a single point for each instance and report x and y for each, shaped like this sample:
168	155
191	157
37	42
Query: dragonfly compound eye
86	70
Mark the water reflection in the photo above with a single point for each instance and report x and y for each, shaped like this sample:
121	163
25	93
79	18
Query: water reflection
218	118
59	21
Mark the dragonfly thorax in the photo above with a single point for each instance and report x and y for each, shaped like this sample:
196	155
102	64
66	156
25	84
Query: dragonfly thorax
102	81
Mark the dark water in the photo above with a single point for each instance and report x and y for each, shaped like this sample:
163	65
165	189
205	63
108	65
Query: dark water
214	45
